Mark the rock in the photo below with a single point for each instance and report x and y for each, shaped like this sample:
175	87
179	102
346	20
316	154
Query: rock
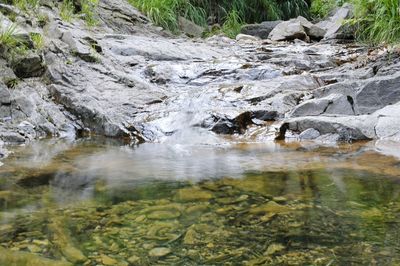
377	93
288	31
5	95
274	248
331	104
335	25
159	252
8	257
28	65
261	30
190	28
270	207
82	46
135	260
106	260
163	215
193	194
244	38
309	134
313	31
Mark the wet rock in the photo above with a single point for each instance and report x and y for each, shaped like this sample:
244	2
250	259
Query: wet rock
28	65
261	30
274	248
164	215
106	260
190	28
309	134
159	252
8	257
193	194
288	31
270	207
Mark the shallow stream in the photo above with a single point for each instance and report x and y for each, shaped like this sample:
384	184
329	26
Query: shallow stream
100	202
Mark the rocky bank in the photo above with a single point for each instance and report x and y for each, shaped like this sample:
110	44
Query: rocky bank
125	78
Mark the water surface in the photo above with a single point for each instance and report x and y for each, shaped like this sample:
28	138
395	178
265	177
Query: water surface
99	202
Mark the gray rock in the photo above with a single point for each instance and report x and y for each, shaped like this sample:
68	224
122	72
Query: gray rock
331	104
5	95
335	26
313	31
288	30
28	65
378	93
309	134
190	28
261	30
245	37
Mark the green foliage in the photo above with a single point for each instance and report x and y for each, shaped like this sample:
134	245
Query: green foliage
26	5
7	36
165	13
232	25
38	41
377	21
67	10
88	12
321	8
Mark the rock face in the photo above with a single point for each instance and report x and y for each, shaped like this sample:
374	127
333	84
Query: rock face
127	79
261	30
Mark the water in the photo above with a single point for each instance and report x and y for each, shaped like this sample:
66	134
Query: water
210	202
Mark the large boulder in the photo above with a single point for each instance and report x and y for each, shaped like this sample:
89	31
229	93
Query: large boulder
335	26
288	30
261	30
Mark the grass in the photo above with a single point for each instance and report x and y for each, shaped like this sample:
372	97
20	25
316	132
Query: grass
26	5
38	41
228	13
377	21
233	24
67	10
7	36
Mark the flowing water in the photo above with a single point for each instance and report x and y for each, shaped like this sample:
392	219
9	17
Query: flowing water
100	202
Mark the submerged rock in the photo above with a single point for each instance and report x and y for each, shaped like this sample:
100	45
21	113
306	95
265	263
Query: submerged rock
270	207
8	257
193	194
159	252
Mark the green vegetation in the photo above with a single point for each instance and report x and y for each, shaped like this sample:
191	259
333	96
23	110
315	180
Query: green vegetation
87	11
26	5
377	21
67	10
165	13
321	8
233	24
7	37
38	41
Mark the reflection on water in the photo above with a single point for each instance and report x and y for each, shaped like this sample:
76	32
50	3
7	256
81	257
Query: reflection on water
96	202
